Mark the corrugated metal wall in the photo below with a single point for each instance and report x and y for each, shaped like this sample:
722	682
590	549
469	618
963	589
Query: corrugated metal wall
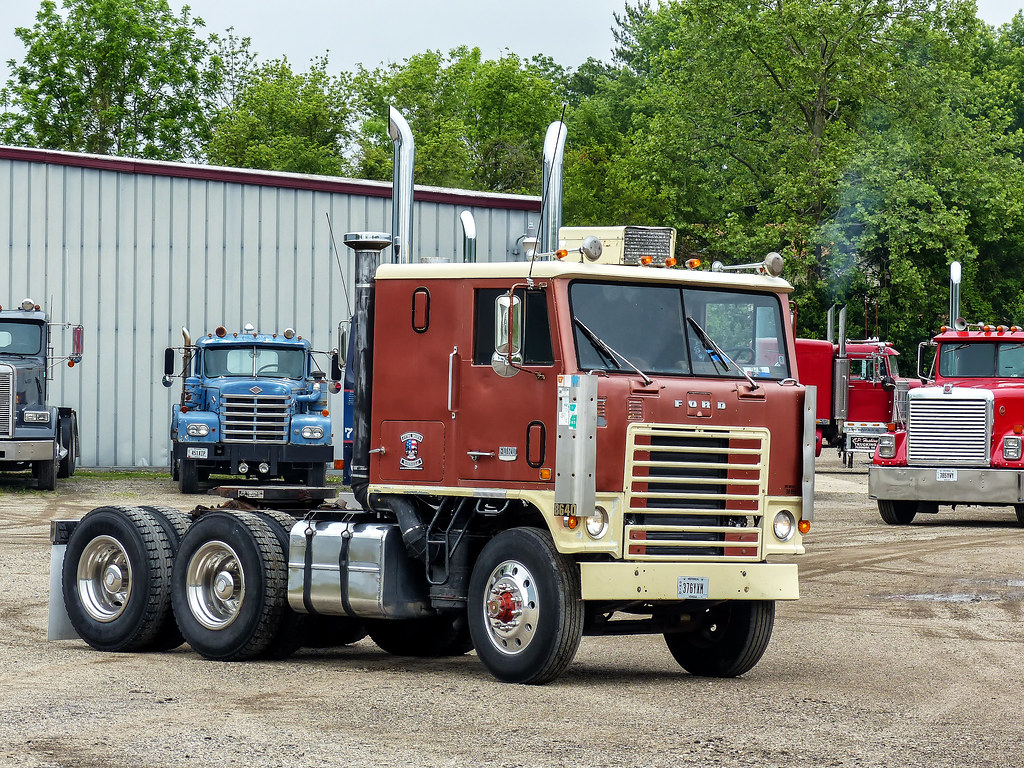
136	254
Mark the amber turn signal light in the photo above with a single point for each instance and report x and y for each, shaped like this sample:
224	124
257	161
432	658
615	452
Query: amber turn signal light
804	526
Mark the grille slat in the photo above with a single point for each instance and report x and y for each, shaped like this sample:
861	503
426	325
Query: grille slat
949	430
254	419
694	492
6	401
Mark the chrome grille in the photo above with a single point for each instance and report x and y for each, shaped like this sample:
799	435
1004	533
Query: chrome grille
947	430
694	493
6	401
254	419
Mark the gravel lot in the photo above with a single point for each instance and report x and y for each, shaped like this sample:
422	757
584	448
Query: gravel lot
904	650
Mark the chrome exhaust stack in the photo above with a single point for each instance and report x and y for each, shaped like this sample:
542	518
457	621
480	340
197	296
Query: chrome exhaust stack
954	294
401	187
468	237
551	213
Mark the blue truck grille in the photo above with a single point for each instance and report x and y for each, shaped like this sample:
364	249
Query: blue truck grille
254	419
6	401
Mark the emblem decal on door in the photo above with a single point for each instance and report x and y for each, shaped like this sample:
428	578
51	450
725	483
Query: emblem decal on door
507	453
412	459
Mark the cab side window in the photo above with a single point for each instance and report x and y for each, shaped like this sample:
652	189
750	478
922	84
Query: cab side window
537	349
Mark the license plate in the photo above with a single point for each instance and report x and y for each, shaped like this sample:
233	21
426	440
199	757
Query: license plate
197	453
945	475
693	587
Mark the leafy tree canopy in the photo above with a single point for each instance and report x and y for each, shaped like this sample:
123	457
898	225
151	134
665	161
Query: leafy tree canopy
123	77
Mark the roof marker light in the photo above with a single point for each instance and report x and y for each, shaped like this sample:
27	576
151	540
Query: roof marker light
670	261
561	253
692	263
646	260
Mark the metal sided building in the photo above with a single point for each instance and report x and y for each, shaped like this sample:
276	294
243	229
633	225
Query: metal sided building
135	250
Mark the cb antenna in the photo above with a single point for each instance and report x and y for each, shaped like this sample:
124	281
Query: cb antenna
338	259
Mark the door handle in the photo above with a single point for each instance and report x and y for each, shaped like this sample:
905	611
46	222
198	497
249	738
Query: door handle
480	454
451	379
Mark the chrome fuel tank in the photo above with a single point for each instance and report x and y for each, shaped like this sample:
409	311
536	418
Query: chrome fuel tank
356	569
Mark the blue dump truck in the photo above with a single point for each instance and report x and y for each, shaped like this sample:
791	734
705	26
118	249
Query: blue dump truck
33	434
251	404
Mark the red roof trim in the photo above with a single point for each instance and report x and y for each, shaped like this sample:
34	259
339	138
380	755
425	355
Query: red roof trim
268	178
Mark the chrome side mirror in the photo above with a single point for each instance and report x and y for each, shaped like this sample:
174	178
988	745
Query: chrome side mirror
508	335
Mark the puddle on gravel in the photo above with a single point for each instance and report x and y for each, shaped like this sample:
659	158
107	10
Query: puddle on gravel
944	598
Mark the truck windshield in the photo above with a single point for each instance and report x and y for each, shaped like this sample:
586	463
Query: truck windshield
982	360
270	362
648	324
21	338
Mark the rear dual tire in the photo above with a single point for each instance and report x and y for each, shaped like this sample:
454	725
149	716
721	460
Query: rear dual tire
116	580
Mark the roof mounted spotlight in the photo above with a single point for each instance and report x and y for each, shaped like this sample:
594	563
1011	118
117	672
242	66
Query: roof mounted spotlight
289	333
771	266
27	305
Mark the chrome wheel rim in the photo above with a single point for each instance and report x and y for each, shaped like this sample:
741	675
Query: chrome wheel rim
511	607
104	579
215	585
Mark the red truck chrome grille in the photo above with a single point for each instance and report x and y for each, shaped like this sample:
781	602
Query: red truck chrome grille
254	419
694	493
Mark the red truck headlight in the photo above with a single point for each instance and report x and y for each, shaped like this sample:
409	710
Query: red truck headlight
1011	448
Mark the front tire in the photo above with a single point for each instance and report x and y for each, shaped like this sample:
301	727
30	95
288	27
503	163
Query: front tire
897	512
730	638
525	611
229	586
116	579
69	441
188	476
46	474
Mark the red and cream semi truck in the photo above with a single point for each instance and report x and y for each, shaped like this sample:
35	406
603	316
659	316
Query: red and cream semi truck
542	449
961	444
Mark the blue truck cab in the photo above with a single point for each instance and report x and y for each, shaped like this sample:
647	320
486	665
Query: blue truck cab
34	434
251	404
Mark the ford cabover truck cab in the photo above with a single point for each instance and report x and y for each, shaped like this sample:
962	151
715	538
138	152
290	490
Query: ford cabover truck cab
251	404
541	450
962	440
34	434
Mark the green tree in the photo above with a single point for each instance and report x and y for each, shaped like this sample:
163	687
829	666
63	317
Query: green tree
858	137
282	121
124	77
479	124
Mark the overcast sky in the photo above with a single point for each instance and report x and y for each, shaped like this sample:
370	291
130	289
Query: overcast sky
369	32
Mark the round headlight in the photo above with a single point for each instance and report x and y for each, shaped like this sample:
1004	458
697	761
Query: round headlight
312	433
783	525
198	430
597	523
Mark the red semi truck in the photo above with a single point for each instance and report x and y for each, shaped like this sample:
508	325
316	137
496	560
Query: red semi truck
542	449
962	440
861	394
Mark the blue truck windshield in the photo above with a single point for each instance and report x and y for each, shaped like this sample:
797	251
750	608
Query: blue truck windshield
269	362
982	360
21	338
671	330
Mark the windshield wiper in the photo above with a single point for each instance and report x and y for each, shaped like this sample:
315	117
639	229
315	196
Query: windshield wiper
714	350
602	346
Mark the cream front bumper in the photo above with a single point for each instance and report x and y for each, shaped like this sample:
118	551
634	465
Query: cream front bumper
661	581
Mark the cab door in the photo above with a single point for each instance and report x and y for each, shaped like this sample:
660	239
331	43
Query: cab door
506	424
